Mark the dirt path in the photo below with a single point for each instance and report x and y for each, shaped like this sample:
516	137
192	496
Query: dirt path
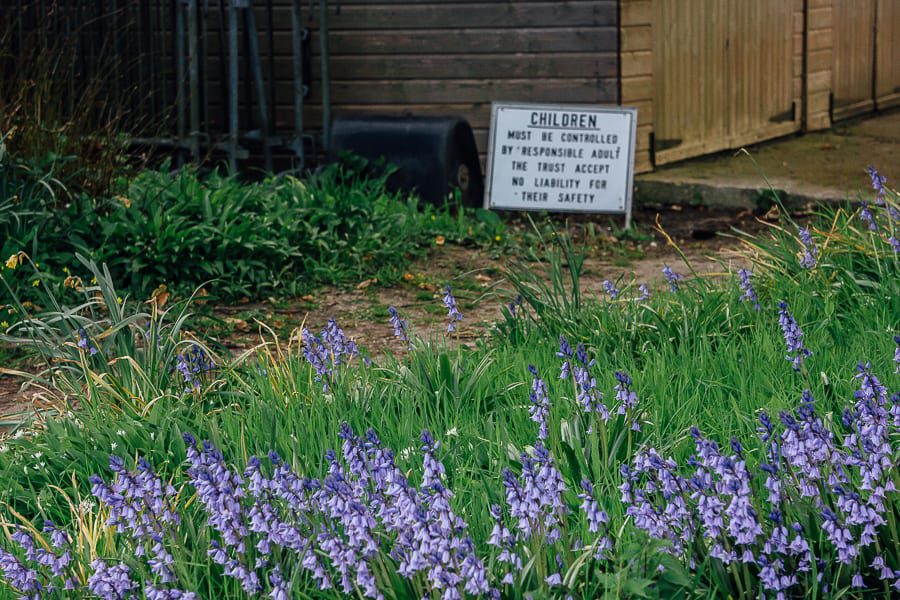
476	276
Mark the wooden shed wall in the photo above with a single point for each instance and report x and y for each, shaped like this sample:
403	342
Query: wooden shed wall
448	57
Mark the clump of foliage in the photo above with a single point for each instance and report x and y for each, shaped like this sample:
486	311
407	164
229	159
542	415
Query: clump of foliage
276	237
282	235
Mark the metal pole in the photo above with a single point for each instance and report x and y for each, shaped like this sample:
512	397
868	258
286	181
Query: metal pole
326	92
194	77
256	68
204	67
180	71
297	47
233	85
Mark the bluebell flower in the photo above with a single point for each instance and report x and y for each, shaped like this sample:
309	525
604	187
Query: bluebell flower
749	292
866	216
878	184
327	351
587	392
895	244
645	292
84	342
566	354
23	579
515	304
153	592
793	337
626	398
193	363
610	288
535	499
111	582
401	328
810	256
452	311
672	277
540	403
596	517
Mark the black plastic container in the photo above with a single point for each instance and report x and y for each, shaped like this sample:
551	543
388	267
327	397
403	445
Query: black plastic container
433	155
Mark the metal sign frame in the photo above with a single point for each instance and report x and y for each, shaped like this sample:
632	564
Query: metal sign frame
489	183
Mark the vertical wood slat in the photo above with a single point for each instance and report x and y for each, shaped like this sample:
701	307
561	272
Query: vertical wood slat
887	53
854	56
723	74
759	73
688	70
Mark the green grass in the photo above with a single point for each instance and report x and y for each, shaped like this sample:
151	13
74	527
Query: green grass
698	357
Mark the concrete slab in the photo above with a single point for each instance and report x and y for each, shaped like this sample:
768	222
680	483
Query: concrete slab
820	166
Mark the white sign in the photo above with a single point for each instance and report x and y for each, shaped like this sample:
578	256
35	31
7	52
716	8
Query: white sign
561	158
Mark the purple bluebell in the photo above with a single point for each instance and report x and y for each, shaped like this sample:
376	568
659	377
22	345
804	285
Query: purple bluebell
810	256
505	541
152	592
659	506
141	505
597	520
111	582
540	403
535	499
401	328
645	292
672	277
793	337
627	399
866	216
610	288
515	304
452	310
193	363
327	351
84	342
220	491
895	244
749	292
566	354
878	184
23	579
587	392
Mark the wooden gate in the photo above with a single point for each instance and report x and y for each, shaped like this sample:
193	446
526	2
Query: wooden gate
887	53
866	56
854	57
725	74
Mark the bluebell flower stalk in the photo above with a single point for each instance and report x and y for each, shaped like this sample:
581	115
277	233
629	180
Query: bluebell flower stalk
611	290
328	351
644	293
452	310
672	277
401	327
809	256
878	184
793	337
748	292
84	342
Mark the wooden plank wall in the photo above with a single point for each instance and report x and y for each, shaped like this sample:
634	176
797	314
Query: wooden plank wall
819	64
636	69
725	74
854	57
887	54
435	57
